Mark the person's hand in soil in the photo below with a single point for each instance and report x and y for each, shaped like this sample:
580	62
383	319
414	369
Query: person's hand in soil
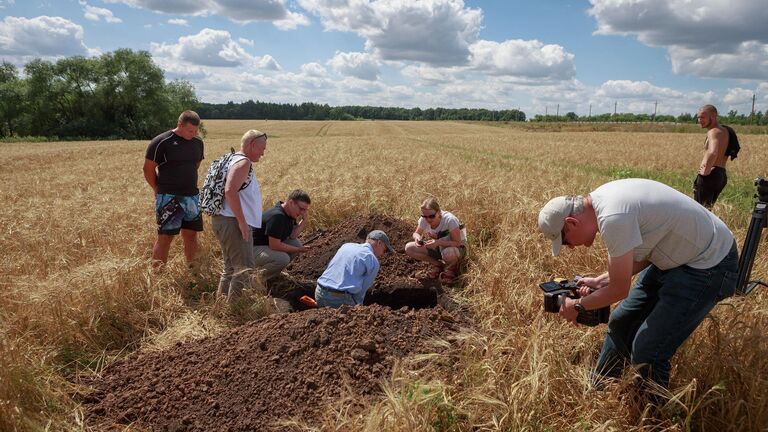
303	249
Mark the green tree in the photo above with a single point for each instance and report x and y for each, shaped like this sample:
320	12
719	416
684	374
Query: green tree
11	98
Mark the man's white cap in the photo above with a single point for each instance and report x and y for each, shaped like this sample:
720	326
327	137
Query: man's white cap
552	218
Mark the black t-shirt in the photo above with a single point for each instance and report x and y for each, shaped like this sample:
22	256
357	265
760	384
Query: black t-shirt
176	160
275	223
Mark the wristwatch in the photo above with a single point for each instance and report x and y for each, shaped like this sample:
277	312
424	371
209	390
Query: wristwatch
579	308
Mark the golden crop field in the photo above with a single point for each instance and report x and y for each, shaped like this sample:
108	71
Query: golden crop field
79	292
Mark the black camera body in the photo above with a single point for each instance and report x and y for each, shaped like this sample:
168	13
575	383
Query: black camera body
761	183
557	290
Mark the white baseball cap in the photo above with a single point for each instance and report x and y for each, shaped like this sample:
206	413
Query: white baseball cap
552	218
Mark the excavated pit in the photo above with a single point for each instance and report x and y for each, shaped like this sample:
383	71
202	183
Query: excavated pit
400	281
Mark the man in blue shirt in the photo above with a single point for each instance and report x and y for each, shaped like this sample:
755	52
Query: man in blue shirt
352	271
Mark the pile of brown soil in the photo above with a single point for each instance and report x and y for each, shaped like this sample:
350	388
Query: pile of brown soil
400	280
281	367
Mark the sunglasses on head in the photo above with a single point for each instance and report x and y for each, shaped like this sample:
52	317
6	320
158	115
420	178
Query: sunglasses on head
263	134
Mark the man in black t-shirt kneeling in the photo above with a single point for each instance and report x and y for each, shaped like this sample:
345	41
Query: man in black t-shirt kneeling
276	242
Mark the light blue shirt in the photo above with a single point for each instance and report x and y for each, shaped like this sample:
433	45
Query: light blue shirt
353	269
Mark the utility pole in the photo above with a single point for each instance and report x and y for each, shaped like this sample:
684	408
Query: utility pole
546	113
753	104
615	104
655	104
557	114
590	110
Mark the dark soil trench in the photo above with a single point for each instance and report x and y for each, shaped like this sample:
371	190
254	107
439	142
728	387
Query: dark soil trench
400	281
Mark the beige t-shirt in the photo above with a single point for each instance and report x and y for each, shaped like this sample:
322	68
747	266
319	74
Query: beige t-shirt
660	224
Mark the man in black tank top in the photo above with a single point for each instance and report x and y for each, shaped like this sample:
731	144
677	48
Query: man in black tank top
711	177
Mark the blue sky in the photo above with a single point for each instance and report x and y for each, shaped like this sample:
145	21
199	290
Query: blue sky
427	53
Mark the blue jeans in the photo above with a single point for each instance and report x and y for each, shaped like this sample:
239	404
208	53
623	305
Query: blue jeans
332	299
662	309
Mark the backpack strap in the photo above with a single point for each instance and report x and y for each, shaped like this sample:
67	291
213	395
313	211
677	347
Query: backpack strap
247	181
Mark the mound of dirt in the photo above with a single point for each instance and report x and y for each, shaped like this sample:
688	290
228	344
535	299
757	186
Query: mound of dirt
281	367
397	284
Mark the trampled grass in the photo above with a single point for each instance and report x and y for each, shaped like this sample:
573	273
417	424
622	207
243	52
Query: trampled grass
77	229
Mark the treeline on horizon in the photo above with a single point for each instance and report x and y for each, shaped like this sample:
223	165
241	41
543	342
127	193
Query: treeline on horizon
731	117
124	95
118	95
314	111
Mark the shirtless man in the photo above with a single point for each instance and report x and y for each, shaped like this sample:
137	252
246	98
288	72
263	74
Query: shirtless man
711	178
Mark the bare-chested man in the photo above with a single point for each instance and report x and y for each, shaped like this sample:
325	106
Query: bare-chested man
711	178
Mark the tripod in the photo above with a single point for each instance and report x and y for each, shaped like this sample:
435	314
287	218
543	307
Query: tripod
759	221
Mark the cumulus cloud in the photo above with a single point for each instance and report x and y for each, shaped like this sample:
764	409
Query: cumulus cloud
267	62
94	13
708	38
427	75
6	3
242	11
178	22
625	89
437	32
291	21
738	96
313	70
359	65
520	58
41	36
211	48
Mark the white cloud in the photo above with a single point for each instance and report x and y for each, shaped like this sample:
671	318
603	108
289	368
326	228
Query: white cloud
242	11
427	75
355	64
625	89
245	41
179	7
6	3
178	22
748	61
313	70
267	62
525	59
438	32
739	96
93	13
41	36
207	48
707	38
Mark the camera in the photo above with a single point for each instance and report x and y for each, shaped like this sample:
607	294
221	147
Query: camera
557	290
762	189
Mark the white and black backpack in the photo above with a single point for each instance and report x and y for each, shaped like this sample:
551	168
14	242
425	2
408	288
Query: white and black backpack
212	193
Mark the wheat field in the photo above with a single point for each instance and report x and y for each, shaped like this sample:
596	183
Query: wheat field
79	291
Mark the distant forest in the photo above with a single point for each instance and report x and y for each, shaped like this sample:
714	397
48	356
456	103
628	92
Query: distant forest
313	111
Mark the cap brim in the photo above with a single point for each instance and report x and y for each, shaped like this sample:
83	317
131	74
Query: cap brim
556	245
390	249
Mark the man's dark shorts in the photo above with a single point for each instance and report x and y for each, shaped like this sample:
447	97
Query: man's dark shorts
176	212
706	189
